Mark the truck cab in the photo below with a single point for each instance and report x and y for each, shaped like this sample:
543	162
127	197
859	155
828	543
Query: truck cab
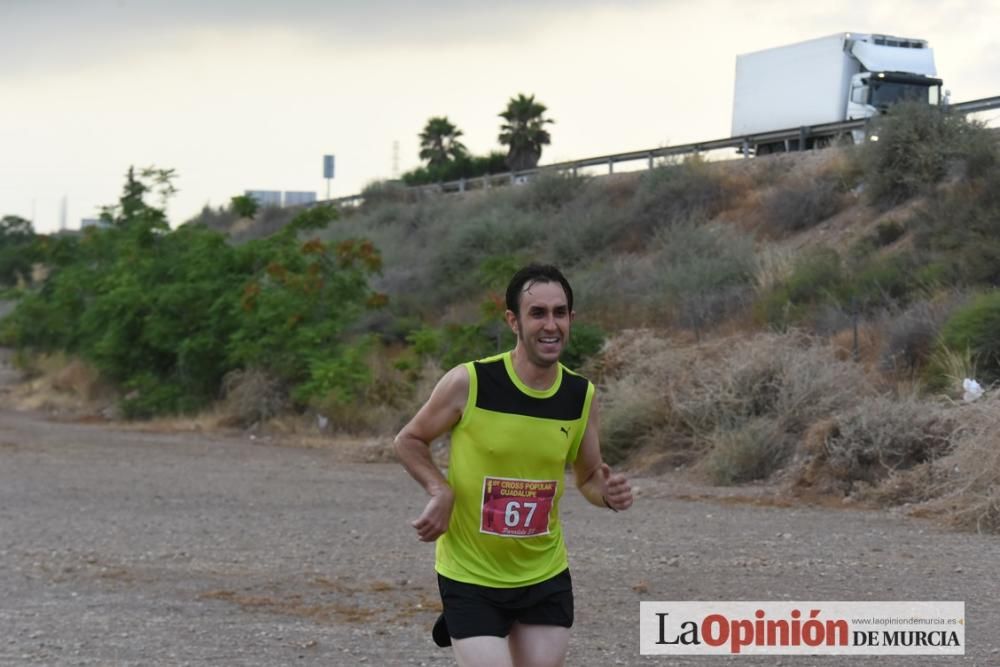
892	69
875	92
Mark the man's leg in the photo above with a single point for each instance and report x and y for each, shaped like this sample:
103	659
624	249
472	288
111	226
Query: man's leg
538	645
482	652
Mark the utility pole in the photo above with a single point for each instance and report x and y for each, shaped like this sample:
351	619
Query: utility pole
395	159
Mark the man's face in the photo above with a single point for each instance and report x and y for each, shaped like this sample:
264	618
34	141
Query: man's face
542	323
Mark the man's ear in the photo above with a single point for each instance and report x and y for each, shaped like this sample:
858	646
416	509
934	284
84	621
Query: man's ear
511	320
572	316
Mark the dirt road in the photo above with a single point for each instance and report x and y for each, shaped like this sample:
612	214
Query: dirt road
120	547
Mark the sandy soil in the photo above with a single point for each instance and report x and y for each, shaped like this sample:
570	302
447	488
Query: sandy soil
122	547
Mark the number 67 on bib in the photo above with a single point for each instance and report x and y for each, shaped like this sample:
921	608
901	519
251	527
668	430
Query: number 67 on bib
516	507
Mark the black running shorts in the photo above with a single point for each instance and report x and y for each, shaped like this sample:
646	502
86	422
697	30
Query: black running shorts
475	611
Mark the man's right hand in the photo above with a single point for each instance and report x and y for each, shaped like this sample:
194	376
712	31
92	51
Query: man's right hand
433	522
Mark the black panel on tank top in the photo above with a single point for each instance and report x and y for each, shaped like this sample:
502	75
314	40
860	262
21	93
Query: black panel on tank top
498	393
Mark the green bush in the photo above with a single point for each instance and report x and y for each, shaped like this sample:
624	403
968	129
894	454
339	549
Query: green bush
704	273
475	241
817	277
883	281
917	144
888	232
958	231
549	192
461	166
387	192
167	314
976	328
691	190
19	250
585	341
244	206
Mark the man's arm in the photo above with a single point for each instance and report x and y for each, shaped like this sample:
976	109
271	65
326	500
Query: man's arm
594	478
437	416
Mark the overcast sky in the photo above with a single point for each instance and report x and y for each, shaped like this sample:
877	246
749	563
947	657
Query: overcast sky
249	94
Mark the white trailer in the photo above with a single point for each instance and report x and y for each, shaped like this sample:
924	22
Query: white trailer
841	77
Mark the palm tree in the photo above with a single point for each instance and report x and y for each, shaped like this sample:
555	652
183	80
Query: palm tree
439	142
524	131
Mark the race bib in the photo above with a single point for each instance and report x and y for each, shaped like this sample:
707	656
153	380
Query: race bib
516	507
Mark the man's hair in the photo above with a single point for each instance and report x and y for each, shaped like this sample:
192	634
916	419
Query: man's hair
531	274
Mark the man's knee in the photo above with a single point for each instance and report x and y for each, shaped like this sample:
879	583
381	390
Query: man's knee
538	645
482	651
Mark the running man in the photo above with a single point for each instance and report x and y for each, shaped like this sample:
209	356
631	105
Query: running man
516	420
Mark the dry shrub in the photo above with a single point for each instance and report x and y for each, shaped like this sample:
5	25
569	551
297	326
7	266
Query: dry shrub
59	382
791	376
869	344
635	371
803	202
720	396
911	337
626	353
251	396
630	415
886	434
969	489
752	450
80	379
774	266
901	487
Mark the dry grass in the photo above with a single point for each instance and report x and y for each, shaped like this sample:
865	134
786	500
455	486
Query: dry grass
793	377
968	489
251	396
869	344
803	201
59	383
940	458
774	266
721	397
911	336
886	434
951	367
752	450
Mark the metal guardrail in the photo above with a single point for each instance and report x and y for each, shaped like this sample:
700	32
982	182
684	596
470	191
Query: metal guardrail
984	104
651	155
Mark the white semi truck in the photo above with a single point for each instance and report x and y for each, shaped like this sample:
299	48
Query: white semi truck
845	76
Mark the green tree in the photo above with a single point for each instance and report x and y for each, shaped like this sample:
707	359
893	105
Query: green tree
523	131
244	206
17	249
439	142
165	314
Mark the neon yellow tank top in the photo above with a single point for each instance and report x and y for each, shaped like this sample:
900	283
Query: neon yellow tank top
507	468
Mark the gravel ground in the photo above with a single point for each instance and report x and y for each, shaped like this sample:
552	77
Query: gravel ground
121	547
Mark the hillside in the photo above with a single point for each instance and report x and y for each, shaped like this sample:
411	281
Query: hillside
804	319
